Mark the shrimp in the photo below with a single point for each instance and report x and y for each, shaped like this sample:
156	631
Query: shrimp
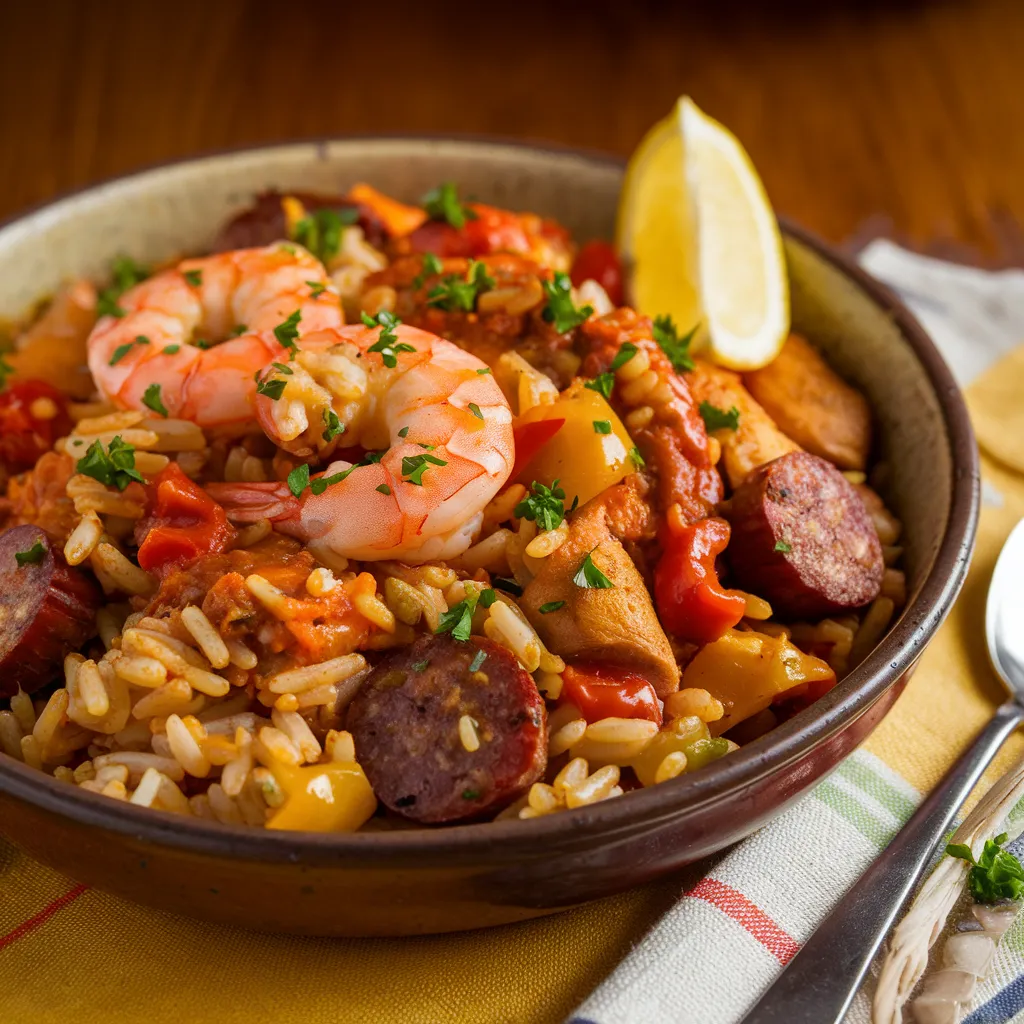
200	331
437	429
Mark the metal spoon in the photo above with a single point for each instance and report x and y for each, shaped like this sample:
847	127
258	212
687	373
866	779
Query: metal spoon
820	982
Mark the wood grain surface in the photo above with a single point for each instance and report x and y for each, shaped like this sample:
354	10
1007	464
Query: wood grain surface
893	116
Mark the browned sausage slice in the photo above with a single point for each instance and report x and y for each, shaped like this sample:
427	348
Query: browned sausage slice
405	723
802	538
47	609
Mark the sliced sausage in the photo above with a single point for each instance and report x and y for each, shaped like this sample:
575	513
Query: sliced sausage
813	405
802	538
406	725
264	222
47	609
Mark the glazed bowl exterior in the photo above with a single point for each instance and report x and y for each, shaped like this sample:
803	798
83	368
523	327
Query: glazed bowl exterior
419	881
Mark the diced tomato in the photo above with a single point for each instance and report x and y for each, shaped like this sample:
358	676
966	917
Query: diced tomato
529	438
600	691
598	261
33	414
185	522
491	230
691	602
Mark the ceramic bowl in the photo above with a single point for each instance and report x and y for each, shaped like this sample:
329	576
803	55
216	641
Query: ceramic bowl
407	882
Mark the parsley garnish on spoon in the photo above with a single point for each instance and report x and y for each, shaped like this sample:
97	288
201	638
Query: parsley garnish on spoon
997	876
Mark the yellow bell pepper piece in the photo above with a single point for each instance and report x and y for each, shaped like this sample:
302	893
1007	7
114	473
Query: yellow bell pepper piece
748	671
584	460
689	736
333	797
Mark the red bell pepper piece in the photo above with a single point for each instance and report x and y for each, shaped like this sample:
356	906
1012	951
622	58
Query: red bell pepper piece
185	523
24	435
601	691
529	438
598	261
691	602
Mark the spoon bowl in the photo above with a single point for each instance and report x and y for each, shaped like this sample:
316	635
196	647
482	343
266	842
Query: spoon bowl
1004	614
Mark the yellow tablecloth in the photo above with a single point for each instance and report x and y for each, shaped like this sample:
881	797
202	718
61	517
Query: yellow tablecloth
68	955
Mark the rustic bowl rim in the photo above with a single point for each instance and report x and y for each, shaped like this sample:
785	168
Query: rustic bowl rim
643	809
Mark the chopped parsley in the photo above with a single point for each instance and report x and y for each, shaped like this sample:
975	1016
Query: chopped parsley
333	427
287	332
320	484
719	419
126	273
316	289
458	620
560	310
602	384
320	231
475	410
677	349
34	555
507	585
419	666
478	659
122	350
203	343
387	344
626	352
152	400
484	371
113	467
5	371
236	332
431	265
784	546
272	387
384	489
602	426
638	459
470	794
459	293
414	466
194	277
997	876
404	432
551	606
442	203
590	577
170	350
488	597
286	370
543	505
298	479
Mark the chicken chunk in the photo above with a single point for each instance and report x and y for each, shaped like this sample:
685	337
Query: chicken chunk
617	625
813	405
757	438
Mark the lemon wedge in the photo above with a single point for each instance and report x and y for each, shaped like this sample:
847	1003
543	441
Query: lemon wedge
700	241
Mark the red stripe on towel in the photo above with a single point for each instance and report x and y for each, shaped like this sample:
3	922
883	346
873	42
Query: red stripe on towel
44	915
734	904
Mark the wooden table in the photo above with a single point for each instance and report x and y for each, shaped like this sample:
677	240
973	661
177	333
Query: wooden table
907	116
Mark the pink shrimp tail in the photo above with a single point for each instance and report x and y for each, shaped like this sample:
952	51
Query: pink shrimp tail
251	502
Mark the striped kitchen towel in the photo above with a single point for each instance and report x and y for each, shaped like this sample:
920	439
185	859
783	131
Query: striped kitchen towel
697	948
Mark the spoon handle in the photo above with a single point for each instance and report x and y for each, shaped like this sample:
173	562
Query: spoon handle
822	979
